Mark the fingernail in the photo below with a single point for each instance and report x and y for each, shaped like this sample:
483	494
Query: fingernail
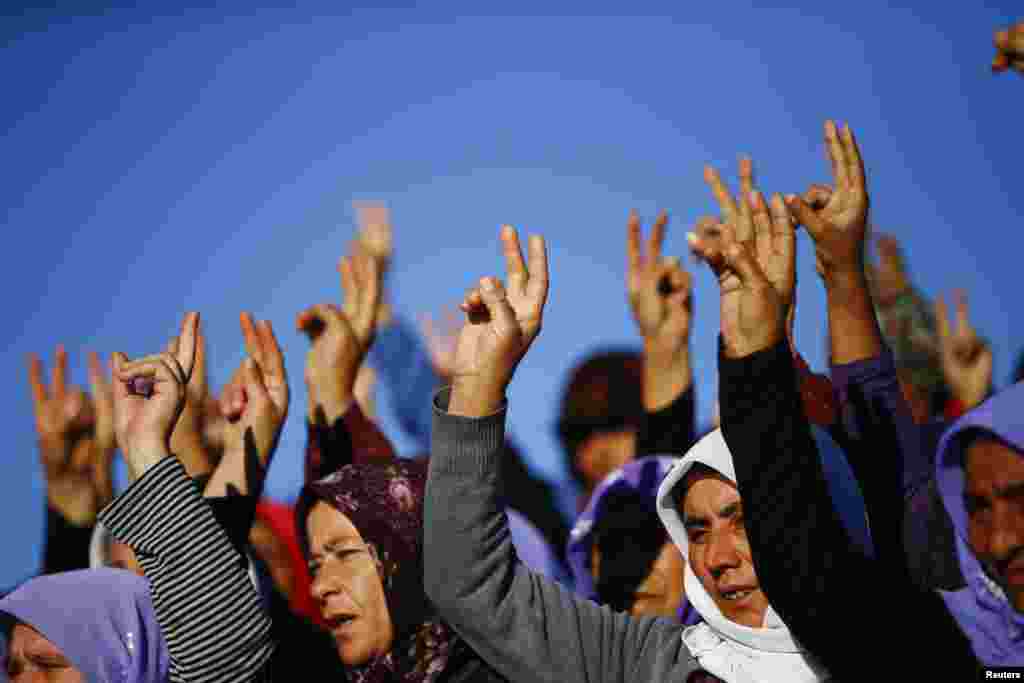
487	284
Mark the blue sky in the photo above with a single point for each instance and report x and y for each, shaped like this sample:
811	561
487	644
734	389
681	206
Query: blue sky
156	163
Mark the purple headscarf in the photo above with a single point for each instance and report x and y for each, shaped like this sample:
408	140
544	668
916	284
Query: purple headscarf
641	476
101	619
994	627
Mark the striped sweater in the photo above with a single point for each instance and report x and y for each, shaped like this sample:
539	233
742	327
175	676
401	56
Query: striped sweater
209	612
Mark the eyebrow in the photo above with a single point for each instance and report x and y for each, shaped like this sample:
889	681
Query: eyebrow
333	544
729	510
1014	489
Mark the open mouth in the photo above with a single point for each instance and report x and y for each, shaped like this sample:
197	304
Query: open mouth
737	595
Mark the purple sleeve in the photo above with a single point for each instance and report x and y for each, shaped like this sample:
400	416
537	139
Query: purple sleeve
869	385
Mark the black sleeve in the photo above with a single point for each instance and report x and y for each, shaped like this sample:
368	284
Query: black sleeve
235	514
815	579
67	545
669	431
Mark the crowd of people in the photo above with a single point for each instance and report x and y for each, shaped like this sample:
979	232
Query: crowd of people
864	524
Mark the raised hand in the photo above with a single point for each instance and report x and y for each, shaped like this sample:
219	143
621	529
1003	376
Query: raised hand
966	358
188	441
501	324
659	296
376	238
260	390
755	262
890	278
1009	49
254	406
144	421
838	228
375	234
341	338
659	289
69	444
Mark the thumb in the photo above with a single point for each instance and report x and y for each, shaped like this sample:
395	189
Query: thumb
738	259
806	216
493	294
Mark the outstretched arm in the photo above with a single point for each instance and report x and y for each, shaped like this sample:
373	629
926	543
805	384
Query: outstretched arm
526	627
662	305
340	337
202	595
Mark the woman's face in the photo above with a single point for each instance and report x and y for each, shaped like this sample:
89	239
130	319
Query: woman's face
347	587
33	658
719	550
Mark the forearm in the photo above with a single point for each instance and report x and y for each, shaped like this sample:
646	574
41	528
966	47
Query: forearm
67	545
873	404
526	627
804	559
670	430
853	329
666	376
204	600
351	437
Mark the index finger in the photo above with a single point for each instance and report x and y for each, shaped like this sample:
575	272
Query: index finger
35	379
186	351
725	201
518	275
253	346
633	242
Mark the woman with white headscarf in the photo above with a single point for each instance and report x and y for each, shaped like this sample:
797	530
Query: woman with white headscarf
789	596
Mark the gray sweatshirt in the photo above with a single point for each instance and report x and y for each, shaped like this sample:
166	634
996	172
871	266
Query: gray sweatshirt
525	626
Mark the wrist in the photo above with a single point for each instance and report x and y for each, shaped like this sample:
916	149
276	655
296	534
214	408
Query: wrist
142	456
333	403
475	399
665	378
666	355
845	278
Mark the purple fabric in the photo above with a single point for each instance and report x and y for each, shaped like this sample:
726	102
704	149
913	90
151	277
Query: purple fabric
995	628
384	501
532	549
101	619
876	379
642	476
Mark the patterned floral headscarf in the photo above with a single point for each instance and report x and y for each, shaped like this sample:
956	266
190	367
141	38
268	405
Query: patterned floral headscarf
384	500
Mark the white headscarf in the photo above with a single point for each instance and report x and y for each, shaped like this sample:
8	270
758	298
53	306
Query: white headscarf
731	651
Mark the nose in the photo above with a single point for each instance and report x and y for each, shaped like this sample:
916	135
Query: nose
721	554
321	588
1007	536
